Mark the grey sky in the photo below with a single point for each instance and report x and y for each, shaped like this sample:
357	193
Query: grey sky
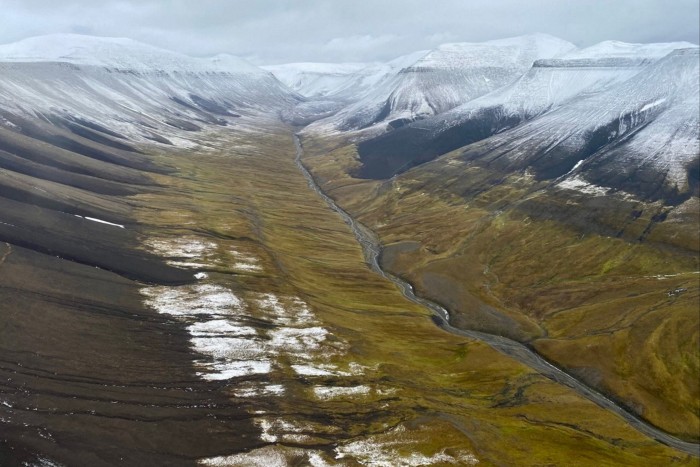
268	31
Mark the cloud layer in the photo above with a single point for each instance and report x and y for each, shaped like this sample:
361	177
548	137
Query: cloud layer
274	31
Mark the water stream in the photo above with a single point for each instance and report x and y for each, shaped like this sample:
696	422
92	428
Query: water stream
372	249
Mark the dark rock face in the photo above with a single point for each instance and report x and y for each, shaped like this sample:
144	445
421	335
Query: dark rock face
209	105
45	144
487	142
88	374
89	377
48	214
416	143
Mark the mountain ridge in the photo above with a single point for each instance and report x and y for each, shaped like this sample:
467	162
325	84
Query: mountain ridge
443	78
542	94
118	53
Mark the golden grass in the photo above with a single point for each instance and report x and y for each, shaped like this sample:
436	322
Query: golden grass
602	306
447	391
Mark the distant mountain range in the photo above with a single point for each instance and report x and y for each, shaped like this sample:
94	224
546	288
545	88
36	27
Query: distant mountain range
615	115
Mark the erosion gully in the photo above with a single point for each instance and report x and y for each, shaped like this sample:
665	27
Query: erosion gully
372	249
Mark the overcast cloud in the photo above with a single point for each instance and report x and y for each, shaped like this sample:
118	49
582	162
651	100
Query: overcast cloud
267	31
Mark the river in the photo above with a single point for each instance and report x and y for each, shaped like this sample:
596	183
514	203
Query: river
523	354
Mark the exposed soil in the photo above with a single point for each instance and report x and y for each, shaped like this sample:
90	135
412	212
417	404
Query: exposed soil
88	374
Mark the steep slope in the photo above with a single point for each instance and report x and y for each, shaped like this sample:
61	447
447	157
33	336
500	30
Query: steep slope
442	79
87	369
132	88
640	136
548	85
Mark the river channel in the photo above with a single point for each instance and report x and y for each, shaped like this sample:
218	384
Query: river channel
520	352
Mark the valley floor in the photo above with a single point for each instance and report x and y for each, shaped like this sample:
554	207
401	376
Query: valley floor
284	348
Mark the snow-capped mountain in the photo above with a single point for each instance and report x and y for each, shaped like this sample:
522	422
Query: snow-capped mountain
117	53
318	80
329	88
552	82
344	82
133	88
578	92
442	79
535	101
621	50
640	136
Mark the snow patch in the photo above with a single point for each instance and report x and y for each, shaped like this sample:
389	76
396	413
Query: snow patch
651	105
297	314
230	348
372	451
44	462
265	457
248	267
281	430
181	249
298	339
224	370
576	166
255	390
233	349
219	327
375	453
94	219
668	276
318	370
193	300
334	392
578	184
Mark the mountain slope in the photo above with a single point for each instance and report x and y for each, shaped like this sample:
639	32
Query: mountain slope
202	305
117	53
330	91
132	88
548	86
442	79
640	136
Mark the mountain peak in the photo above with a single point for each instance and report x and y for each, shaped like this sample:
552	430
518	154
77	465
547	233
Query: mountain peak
115	52
520	50
618	49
